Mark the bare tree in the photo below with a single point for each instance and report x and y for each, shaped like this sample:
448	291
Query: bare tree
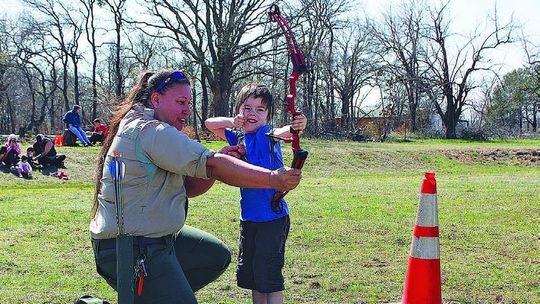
357	67
401	36
118	9
214	35
90	29
451	74
320	21
54	25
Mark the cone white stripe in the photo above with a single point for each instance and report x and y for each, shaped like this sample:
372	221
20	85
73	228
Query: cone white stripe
427	211
425	248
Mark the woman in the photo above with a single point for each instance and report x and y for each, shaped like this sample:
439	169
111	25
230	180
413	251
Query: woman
9	154
163	168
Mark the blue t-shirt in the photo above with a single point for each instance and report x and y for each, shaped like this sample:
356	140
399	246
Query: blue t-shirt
264	152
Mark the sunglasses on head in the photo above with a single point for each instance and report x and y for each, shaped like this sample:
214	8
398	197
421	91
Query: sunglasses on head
176	76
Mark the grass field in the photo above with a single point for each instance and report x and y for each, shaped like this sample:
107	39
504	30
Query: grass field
351	225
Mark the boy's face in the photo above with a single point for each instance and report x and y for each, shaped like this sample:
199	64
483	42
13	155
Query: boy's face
255	114
30	153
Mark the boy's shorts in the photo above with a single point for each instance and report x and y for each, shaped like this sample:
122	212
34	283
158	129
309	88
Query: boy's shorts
261	255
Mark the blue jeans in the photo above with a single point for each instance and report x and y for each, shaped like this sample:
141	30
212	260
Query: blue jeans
81	135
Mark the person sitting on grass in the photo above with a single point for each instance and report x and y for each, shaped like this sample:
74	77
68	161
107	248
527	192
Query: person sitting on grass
72	119
100	132
46	153
24	169
9	154
30	155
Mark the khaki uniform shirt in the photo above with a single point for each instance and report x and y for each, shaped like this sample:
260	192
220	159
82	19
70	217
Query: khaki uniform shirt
157	158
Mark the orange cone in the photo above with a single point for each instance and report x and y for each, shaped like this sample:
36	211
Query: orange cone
58	140
423	280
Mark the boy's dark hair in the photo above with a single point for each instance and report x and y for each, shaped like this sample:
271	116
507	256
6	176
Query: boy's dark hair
97	120
255	90
30	149
24	157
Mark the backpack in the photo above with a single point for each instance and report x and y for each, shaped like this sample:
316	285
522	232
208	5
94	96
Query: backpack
90	300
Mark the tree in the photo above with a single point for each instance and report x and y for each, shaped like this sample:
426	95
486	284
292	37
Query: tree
214	34
514	104
357	67
117	7
90	29
451	75
401	35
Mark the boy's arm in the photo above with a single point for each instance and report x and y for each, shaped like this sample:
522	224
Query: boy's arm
218	125
299	123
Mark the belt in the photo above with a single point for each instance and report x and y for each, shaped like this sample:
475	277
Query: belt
138	242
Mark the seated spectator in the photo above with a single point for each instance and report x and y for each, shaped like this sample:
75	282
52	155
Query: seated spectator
72	119
100	132
30	155
9	154
24	169
46	153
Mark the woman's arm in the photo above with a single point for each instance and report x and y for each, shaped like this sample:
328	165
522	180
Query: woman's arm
197	186
46	150
241	174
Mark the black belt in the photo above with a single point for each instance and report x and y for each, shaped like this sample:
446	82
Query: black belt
138	242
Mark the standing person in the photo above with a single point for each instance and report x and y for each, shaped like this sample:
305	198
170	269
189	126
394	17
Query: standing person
24	169
163	168
45	153
263	232
9	154
72	119
99	133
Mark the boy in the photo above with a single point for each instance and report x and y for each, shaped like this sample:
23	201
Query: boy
100	132
30	156
263	233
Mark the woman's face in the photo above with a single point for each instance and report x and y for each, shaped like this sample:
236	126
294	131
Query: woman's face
173	106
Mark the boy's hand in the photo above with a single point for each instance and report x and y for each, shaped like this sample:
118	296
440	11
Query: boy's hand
299	122
238	121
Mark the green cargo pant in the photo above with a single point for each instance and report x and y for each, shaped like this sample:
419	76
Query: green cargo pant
183	264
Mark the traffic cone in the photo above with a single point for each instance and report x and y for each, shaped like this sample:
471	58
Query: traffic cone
58	140
423	280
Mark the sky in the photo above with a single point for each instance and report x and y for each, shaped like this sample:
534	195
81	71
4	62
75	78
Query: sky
467	15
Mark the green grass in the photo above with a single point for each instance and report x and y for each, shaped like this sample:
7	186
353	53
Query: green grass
351	225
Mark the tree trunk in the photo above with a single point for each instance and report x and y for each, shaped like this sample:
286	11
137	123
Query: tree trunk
204	104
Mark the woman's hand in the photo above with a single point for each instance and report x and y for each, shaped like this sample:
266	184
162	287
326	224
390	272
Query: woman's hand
299	122
285	179
235	151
